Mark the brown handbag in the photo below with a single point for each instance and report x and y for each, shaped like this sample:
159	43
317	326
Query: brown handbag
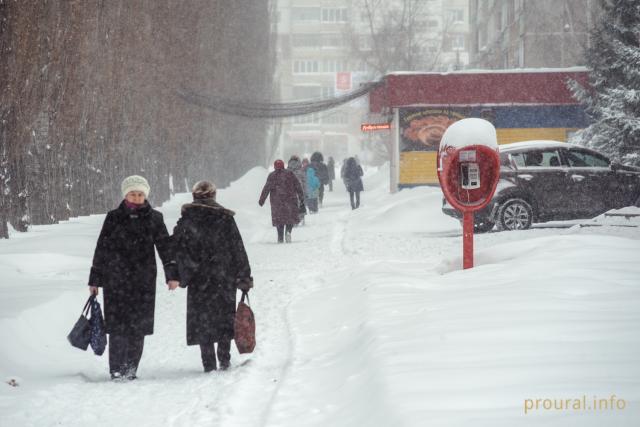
245	326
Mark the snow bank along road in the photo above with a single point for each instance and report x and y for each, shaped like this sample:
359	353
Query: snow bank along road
365	319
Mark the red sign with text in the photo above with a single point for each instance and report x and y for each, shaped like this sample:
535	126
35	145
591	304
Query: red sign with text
368	127
343	80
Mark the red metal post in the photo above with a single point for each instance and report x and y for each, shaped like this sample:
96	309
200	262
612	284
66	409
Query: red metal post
467	240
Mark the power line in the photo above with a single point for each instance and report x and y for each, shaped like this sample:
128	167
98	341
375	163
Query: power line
271	110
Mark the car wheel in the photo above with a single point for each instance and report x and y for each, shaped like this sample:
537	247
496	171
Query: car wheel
483	227
515	214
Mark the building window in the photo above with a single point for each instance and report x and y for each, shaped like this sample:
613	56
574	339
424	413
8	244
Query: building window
335	15
521	53
305	14
362	66
456	15
332	41
308	119
334	66
457	42
305	41
328	92
305	66
336	119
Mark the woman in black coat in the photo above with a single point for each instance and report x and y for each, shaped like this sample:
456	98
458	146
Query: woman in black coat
352	176
124	265
213	264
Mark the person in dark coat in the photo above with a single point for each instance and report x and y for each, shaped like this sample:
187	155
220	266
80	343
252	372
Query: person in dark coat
352	176
213	264
124	265
322	172
331	168
295	166
287	198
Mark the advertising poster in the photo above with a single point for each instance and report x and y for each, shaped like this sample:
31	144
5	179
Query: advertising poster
421	129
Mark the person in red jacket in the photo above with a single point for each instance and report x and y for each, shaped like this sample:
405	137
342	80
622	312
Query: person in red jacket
286	198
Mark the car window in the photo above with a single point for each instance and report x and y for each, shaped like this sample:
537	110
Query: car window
578	158
518	159
537	158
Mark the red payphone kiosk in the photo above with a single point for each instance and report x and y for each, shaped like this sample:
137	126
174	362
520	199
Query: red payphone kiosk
468	171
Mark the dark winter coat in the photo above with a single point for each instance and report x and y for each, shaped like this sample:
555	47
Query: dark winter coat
352	176
124	265
211	259
322	172
286	195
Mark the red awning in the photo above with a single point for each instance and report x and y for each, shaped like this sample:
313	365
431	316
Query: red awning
476	88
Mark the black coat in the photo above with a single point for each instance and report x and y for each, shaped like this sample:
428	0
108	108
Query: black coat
211	258
322	172
352	176
124	265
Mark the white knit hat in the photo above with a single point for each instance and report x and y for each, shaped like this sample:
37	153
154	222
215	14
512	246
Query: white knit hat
135	183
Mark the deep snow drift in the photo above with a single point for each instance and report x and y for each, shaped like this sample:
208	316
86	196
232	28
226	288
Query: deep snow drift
365	319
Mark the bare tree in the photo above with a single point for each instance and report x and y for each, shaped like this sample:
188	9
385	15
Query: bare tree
392	35
90	95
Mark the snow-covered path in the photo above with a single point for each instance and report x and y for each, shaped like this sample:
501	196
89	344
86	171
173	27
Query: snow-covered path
363	320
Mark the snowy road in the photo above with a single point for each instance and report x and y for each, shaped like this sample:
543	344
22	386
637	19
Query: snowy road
358	324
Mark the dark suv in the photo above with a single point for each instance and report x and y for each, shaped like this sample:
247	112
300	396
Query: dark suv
548	180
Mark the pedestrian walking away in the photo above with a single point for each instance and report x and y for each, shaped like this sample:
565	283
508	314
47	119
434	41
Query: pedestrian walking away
295	166
331	168
213	264
322	173
287	199
352	176
313	190
124	265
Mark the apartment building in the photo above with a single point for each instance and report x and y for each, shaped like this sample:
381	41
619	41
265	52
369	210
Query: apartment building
529	33
322	49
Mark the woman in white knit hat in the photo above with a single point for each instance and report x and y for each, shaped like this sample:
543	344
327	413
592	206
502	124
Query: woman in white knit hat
124	265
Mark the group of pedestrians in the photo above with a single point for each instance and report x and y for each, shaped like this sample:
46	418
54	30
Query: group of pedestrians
205	254
301	187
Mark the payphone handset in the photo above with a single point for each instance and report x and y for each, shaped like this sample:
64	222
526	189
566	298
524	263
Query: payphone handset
469	170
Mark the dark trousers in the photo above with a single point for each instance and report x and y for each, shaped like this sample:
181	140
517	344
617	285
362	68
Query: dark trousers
312	205
321	195
125	353
208	354
354	204
281	230
331	185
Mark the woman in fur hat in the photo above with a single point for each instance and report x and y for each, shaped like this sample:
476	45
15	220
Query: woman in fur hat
213	264
124	265
287	198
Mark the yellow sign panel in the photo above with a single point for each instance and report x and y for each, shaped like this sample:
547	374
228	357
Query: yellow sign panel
420	167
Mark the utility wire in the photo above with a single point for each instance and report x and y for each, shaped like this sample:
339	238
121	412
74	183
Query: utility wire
272	110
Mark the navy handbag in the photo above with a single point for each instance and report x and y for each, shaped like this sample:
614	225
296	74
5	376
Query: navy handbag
89	330
80	335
